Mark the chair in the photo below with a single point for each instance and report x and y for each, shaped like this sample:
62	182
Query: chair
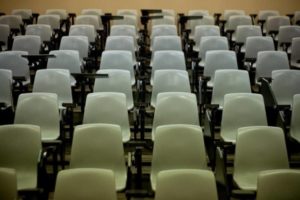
61	12
26	14
94	11
4	36
77	43
14	22
202	31
268	143
125	30
166	43
295	53
294	126
100	146
273	24
84	30
209	43
236	115
13	60
285	36
52	20
98	184
167	59
228	13
108	107
6	81
268	61
235	21
118	59
66	59
278	184
21	150
127	20
56	81
118	81
45	33
245	31
189	184
169	80
205	21
8	184
284	90
175	108
93	20
165	20
216	60
29	43
188	143
263	16
127	12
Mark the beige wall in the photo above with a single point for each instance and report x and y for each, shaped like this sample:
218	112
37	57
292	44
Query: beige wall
250	6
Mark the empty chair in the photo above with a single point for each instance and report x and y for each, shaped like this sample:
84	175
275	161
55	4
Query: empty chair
42	30
236	115
216	60
229	81
165	20
29	43
284	90
98	184
202	31
228	13
100	146
206	20
263	16
209	43
269	143
118	59
84	30
245	31
78	43
273	24
294	126
127	20
56	81
189	184
169	80
108	107
167	60
186	140
62	13
13	60
125	30
93	20
235	21
127	12
8	183
285	36
94	11
118	81
295	53
21	150
175	108
6	81
65	59
162	30
26	14
52	20
166	43
14	21
268	61
4	34
278	184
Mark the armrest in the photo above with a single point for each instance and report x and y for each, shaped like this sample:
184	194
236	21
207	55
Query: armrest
146	12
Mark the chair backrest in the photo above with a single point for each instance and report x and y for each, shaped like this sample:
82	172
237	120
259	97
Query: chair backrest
24	13
42	30
287	33
228	13
23	145
268	143
209	43
162	30
229	81
295	125
78	43
83	30
268	61
13	60
14	21
30	43
254	44
108	107
93	20
175	108
127	20
166	20
118	59
244	31
278	184
8	184
219	59
99	146
188	143
40	109
284	90
236	115
92	11
62	13
124	43
238	20
6	80
125	30
169	80
56	81
166	43
98	184
205	30
52	20
274	22
295	53
192	184
118	81
127	12
4	33
264	14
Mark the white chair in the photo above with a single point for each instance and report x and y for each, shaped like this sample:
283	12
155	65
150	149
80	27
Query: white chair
98	184
108	107
14	21
77	43
8	184
6	81
235	21
94	11
162	30
127	20
284	90
278	184
125	30
26	14
169	42
202	31
127	12
118	81
188	143
93	20
175	108
285	36
165	20
52	20
245	31
100	146
4	34
42	30
29	43
84	30
236	115
268	143
263	16
294	126
189	184
169	80
62	13
295	53
273	23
